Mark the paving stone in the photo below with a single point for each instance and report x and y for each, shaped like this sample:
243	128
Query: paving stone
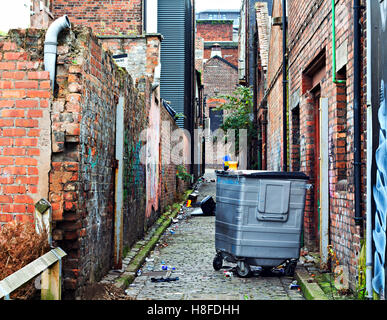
191	250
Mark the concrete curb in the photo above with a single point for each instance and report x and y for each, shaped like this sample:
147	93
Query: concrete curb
125	279
309	287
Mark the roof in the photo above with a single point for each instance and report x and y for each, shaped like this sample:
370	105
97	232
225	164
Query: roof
222	44
223	60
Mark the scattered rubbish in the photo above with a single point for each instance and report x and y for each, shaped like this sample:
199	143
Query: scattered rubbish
139	272
193	196
246	297
227	274
164	279
197	212
149	259
175	220
189	203
150	268
172	232
167	268
208	206
294	285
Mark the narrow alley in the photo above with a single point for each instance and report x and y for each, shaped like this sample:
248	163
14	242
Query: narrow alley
187	249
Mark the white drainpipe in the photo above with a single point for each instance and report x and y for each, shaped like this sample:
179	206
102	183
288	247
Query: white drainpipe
50	45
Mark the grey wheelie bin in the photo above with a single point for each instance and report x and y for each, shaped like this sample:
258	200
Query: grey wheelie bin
259	219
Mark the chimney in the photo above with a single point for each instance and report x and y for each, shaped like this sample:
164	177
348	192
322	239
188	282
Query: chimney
216	50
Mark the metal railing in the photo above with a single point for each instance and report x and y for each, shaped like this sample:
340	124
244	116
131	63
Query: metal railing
49	266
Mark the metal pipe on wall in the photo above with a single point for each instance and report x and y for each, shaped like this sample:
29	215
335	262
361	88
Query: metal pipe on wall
284	89
357	111
50	46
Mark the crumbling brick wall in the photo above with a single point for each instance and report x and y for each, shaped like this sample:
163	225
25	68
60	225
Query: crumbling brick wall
60	146
82	179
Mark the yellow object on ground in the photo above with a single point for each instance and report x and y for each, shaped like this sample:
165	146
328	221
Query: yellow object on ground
233	165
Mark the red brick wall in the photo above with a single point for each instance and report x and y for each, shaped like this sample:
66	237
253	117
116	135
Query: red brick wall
119	17
24	125
212	31
275	96
310	34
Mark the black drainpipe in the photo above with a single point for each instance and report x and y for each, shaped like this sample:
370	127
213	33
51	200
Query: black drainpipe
284	84
357	111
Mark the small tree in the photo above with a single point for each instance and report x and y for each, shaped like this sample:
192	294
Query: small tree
239	114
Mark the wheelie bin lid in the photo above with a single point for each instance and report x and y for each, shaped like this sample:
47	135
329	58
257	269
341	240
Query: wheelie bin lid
264	174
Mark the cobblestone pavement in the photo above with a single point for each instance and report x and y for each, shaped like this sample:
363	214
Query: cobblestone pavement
189	247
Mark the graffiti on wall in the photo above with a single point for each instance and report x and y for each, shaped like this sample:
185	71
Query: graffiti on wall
379	124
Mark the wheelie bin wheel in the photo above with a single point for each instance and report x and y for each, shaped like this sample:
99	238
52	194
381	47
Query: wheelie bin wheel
290	268
217	263
243	269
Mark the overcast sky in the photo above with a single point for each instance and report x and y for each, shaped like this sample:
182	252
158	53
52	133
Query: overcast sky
201	5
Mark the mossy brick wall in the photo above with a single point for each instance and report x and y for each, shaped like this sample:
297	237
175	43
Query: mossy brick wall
24	125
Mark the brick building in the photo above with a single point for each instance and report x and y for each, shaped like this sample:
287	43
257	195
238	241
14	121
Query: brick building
220	77
273	131
219	32
320	122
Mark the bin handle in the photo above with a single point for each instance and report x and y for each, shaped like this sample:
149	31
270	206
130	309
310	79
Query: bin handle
273	218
